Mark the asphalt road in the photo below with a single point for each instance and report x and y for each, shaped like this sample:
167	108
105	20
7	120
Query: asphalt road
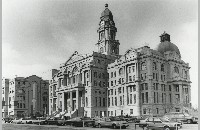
10	126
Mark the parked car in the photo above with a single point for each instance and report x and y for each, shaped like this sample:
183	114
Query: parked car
110	122
26	120
17	121
62	122
80	121
51	121
138	119
159	123
39	120
8	119
184	117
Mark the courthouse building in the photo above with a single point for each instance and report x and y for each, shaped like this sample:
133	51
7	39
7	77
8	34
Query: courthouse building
25	96
143	81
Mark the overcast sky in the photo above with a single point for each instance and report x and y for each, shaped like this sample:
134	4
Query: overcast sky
39	35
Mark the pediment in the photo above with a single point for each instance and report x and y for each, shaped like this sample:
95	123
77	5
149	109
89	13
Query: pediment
74	57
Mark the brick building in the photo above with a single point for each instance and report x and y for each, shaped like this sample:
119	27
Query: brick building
143	81
26	96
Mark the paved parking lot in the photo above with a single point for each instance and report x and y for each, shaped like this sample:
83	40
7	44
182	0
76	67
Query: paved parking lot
9	126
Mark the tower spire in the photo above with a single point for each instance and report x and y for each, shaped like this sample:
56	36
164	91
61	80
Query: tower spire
107	33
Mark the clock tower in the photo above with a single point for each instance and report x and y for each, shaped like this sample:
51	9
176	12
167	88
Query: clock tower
107	32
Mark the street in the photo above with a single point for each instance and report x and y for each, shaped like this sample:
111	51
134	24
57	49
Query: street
10	126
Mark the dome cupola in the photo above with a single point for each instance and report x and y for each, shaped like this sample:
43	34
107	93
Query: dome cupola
166	45
106	14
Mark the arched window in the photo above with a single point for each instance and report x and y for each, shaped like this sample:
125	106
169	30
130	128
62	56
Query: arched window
176	70
121	71
154	66
75	70
143	66
162	67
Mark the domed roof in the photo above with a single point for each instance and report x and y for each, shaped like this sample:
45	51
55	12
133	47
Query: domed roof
167	46
106	14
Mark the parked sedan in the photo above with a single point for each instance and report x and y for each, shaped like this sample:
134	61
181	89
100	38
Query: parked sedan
159	123
26	120
111	122
39	121
16	121
51	121
80	121
184	117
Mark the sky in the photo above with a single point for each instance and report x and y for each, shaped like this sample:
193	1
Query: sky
39	35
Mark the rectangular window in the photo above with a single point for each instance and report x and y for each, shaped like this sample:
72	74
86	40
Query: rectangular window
86	101
133	68
100	101
119	81
96	101
144	111
134	88
108	101
156	76
123	89
177	98
123	99
131	111
157	97
162	97
154	95
146	86
115	101
112	102
130	78
120	100
119	90
133	77
153	75
111	74
131	98
177	88
111	83
170	98
157	110
146	97
129	69
134	98
142	97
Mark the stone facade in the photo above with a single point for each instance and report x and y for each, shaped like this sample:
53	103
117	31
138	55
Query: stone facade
143	81
27	96
5	92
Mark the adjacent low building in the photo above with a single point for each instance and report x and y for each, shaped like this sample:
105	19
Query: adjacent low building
25	96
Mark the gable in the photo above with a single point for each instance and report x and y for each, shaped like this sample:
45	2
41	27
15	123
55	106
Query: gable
74	57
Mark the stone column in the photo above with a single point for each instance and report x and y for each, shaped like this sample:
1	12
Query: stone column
77	99
63	102
125	73
71	100
181	94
